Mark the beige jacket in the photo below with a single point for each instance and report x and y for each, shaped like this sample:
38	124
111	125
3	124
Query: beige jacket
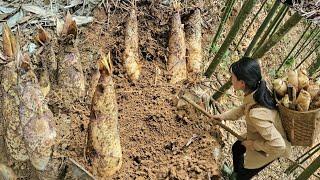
264	128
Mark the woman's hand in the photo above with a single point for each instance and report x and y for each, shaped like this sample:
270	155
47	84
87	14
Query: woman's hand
248	144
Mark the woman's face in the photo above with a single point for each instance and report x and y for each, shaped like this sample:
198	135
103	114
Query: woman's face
237	84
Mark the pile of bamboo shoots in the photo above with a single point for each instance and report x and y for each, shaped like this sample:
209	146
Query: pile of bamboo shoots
29	133
185	51
298	92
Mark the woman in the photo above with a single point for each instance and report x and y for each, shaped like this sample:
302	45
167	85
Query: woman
264	129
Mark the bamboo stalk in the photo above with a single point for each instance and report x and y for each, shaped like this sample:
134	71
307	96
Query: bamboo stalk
305	41
309	153
309	40
290	23
279	21
315	66
293	48
244	12
312	51
300	166
310	169
222	90
225	16
252	21
262	27
315	41
268	31
302	159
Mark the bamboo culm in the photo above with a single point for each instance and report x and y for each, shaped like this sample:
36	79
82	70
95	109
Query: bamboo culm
268	31
279	21
312	51
244	12
307	42
293	48
314	67
225	16
310	169
289	24
262	28
222	90
252	21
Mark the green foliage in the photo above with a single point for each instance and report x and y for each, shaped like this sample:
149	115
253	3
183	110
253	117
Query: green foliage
214	48
290	62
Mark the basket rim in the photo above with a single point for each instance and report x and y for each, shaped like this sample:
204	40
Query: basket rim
302	112
290	110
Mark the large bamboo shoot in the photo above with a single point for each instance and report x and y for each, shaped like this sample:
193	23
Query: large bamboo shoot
104	139
70	75
177	65
131	52
35	116
10	102
193	41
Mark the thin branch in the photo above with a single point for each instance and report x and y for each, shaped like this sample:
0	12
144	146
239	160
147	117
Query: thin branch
293	48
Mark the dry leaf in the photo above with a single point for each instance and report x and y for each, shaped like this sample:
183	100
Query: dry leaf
35	9
7	10
80	20
74	3
13	21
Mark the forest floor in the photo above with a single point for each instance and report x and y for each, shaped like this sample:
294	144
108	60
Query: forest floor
158	139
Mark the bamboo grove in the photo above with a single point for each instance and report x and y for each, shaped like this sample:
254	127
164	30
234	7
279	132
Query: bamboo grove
271	31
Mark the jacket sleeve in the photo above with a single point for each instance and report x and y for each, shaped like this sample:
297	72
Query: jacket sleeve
233	114
262	119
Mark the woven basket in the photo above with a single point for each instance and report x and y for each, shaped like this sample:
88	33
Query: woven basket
302	128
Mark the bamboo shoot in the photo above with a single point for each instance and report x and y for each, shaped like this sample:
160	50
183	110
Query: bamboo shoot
104	138
193	41
131	52
177	65
70	74
35	116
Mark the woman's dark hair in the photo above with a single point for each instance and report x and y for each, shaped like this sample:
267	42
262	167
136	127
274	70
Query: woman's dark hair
249	71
